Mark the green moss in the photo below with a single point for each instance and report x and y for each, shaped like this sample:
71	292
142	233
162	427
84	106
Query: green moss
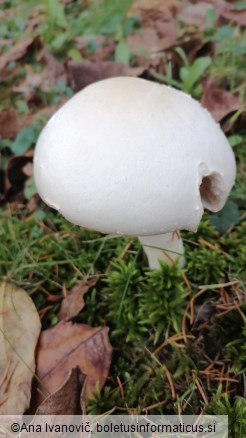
220	404
162	300
236	350
123	285
205	266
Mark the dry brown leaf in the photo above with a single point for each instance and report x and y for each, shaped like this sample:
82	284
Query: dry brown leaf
31	83
54	72
19	331
195	15
16	52
104	47
238	17
66	400
227	10
151	41
218	102
88	72
51	74
67	346
9	123
4	42
73	303
154	9
167	32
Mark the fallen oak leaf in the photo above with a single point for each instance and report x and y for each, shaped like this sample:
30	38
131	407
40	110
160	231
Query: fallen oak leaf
19	330
66	400
67	346
73	303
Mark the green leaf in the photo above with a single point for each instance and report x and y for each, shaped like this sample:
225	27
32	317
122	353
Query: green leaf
224	33
59	41
198	68
226	218
24	140
235	140
182	55
75	54
211	18
39	215
122	52
239	6
130	25
184	74
55	10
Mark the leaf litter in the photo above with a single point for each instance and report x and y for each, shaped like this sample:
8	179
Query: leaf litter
67	346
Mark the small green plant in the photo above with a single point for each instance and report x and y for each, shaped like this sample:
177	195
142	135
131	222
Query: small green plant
227	218
26	138
189	74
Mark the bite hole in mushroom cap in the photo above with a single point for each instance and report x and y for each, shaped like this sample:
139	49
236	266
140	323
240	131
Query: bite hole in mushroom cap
213	192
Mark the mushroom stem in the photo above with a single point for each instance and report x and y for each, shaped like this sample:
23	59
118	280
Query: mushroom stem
167	247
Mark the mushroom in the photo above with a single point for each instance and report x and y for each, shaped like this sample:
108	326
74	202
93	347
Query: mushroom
130	156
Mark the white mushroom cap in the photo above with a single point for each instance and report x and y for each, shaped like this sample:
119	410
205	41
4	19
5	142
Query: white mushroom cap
130	156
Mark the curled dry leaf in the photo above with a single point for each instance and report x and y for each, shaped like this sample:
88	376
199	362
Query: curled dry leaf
73	303
217	101
66	400
67	346
19	331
